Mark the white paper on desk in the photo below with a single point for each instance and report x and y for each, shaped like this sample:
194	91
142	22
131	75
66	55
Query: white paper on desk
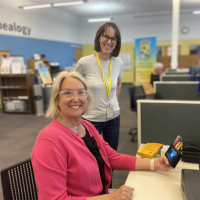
164	149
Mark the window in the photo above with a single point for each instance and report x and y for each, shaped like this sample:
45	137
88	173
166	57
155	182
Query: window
159	51
194	49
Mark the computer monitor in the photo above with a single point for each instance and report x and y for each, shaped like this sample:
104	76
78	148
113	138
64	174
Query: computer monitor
178	90
182	77
162	120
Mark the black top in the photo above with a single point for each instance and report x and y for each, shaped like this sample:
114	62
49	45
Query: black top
91	144
154	78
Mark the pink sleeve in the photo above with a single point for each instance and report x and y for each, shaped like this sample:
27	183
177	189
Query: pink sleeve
119	161
50	168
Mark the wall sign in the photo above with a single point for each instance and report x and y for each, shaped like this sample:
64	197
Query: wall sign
15	28
145	58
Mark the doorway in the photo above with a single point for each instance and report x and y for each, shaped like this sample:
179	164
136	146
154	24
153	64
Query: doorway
78	54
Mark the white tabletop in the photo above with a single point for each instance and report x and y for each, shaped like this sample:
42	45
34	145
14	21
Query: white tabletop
158	185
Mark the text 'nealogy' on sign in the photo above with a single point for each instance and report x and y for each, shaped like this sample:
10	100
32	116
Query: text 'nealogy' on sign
16	28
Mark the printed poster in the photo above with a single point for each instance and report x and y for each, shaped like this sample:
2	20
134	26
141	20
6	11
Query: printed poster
145	58
45	75
5	65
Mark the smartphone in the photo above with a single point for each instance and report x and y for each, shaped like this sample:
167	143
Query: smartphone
173	156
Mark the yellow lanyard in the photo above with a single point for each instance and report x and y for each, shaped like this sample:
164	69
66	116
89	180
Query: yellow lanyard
104	78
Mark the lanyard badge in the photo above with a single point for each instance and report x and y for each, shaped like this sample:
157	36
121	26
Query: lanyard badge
104	78
109	110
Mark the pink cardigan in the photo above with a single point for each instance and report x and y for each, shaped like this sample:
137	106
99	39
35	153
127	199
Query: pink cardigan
64	167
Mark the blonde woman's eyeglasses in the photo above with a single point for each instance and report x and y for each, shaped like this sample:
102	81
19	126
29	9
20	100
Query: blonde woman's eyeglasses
81	94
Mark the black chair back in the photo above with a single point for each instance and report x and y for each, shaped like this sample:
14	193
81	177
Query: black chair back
18	182
139	90
131	94
135	90
146	96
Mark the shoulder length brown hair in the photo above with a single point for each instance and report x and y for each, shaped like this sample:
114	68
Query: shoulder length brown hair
101	30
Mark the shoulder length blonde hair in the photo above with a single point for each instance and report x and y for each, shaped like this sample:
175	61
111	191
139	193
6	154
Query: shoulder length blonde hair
53	111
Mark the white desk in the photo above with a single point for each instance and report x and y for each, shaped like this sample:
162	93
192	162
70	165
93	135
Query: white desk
158	185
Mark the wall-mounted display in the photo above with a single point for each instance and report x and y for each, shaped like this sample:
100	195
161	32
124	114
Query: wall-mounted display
126	58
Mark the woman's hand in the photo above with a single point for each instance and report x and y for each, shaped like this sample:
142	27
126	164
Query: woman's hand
162	163
123	193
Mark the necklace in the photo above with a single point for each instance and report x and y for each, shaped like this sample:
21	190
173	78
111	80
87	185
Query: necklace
75	127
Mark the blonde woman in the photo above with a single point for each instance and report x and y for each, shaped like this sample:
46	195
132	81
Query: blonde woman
70	159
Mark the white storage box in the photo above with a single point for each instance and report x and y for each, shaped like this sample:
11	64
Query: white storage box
15	105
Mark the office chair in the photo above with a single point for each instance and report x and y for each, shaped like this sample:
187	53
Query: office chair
18	182
146	96
132	92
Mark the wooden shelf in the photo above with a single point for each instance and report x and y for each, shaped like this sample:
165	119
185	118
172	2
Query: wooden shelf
3	54
31	64
25	112
16	75
14	85
11	88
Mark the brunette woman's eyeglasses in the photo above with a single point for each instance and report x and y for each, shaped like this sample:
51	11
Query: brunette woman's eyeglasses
106	38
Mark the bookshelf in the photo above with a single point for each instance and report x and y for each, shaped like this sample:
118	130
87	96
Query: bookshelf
31	64
17	87
3	54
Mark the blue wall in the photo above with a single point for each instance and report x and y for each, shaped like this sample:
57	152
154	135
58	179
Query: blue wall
61	52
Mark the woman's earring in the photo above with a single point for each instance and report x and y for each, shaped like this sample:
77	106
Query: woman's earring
59	108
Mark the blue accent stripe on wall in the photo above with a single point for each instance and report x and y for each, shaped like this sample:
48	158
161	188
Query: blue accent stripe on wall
61	52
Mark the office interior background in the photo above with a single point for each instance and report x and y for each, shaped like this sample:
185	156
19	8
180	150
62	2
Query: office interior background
58	32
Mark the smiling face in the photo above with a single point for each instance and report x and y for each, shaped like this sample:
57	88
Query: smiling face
72	109
107	46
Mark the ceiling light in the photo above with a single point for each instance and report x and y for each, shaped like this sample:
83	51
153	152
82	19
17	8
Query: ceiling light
196	12
99	20
160	14
68	3
37	6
